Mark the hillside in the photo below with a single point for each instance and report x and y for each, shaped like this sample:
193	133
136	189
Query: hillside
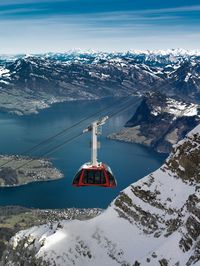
160	122
29	83
154	221
15	218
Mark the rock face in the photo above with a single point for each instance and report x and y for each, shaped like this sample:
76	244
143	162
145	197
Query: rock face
160	122
186	79
155	221
31	83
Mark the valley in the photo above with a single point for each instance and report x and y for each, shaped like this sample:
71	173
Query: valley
47	92
30	83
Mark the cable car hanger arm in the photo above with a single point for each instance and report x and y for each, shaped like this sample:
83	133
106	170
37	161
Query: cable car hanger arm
98	123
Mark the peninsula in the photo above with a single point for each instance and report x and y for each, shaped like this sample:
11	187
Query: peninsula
17	170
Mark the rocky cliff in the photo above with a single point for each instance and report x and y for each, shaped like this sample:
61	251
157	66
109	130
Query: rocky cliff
155	221
159	122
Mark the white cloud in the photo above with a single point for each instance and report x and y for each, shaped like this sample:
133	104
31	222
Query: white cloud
57	35
143	29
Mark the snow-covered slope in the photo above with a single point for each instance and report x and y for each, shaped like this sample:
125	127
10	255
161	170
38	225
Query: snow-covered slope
174	52
155	221
159	122
29	83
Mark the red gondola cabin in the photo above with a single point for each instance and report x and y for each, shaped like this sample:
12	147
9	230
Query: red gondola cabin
89	175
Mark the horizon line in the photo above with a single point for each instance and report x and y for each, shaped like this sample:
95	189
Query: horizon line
79	50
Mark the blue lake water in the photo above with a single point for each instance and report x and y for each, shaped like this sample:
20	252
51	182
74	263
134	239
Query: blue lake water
129	162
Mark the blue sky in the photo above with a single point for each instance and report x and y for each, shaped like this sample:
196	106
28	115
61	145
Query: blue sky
33	26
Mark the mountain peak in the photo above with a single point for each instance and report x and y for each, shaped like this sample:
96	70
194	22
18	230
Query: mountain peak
167	52
159	122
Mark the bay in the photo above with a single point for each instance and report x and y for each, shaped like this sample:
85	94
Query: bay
129	162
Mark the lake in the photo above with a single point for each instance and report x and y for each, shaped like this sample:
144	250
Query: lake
129	162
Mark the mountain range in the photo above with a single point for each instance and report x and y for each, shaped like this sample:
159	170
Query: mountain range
29	83
154	221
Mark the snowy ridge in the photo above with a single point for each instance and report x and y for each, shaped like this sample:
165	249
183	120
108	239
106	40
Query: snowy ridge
4	72
154	221
74	75
163	52
159	122
174	52
177	108
181	109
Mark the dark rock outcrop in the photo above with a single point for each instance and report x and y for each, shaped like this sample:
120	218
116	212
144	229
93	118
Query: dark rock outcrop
160	122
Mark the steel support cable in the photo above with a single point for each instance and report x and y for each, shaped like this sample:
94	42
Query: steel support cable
48	140
75	137
51	150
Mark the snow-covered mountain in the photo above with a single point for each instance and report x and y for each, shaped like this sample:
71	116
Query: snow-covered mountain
155	221
186	79
153	57
36	82
159	122
32	82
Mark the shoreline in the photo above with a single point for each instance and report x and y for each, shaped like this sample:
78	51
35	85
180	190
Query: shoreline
38	170
48	105
30	182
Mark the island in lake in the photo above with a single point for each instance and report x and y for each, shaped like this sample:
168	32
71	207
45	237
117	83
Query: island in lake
18	170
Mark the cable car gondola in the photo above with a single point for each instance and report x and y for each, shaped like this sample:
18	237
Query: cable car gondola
94	173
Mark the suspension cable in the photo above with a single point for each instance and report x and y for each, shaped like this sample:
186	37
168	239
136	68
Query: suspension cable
51	150
75	137
48	140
